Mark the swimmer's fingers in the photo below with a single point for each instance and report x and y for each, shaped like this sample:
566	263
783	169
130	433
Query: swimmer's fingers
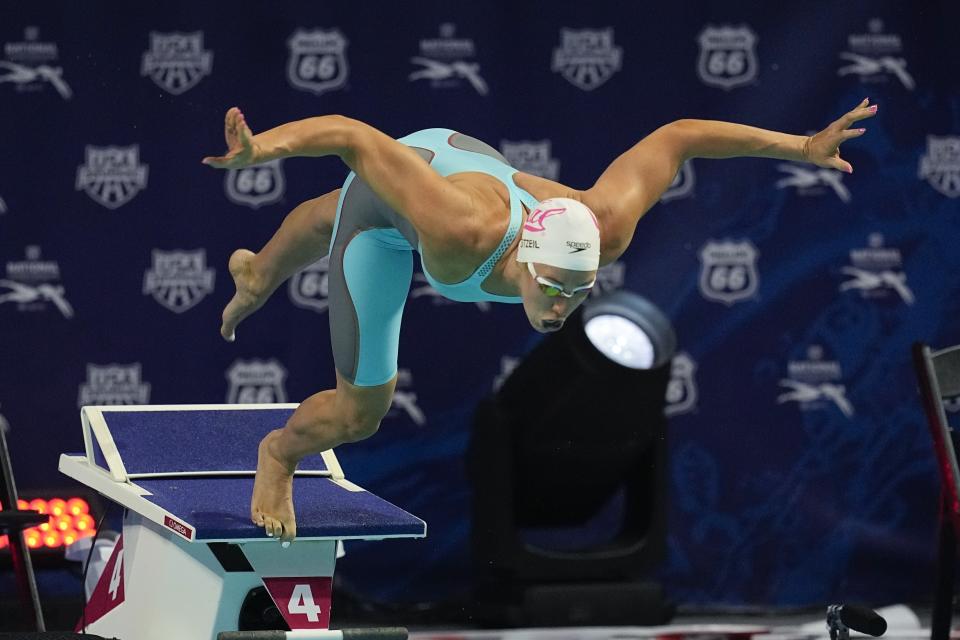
244	134
847	134
860	112
241	149
823	149
220	162
230	126
838	163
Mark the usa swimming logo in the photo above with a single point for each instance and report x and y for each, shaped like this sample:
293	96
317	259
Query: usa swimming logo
112	176
176	62
875	56
729	271
531	157
727	56
587	58
876	272
318	60
447	61
34	284
113	384
32	65
178	280
256	186
940	165
814	384
256	382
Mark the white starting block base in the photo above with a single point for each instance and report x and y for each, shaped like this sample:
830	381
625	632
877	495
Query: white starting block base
172	588
189	555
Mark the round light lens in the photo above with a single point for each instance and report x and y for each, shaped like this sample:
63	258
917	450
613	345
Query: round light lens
621	340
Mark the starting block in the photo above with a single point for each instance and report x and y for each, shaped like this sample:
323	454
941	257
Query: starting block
189	556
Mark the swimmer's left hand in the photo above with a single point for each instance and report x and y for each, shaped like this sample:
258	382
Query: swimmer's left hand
242	151
823	149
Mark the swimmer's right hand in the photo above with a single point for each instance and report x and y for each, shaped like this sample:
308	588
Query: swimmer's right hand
242	151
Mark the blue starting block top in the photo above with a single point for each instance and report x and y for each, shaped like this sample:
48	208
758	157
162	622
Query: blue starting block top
219	508
191	468
184	440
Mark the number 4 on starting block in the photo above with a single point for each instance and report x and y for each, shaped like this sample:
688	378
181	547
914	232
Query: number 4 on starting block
304	602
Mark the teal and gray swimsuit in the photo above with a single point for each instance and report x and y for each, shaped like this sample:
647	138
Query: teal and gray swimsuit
371	258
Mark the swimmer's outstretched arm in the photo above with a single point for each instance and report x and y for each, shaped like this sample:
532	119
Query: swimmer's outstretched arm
635	181
438	209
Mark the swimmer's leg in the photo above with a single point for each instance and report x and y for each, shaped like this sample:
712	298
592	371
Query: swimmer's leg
369	278
303	238
322	421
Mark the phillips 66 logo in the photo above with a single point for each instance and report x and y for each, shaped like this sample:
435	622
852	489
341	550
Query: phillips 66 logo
256	382
310	287
727	57
255	186
729	272
318	60
682	389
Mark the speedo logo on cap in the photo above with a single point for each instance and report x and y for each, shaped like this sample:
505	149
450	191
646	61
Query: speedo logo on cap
578	246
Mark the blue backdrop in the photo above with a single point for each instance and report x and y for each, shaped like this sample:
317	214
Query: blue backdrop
801	469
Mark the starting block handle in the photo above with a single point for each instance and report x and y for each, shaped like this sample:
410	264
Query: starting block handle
373	633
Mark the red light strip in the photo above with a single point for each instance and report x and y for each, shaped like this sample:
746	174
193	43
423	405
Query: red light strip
70	520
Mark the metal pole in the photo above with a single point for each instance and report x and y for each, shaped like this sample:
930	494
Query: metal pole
947	556
20	554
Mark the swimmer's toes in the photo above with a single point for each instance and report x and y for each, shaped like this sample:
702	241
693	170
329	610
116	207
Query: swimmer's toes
272	527
233	313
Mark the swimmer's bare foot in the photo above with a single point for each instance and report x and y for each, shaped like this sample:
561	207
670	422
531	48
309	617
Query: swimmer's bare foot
253	289
271	506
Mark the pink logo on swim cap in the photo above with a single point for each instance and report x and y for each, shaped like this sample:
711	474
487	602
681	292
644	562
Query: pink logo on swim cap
594	217
535	220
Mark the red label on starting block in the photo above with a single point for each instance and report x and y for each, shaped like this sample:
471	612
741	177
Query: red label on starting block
179	527
108	594
304	602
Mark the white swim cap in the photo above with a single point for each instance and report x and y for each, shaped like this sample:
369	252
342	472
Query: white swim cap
562	233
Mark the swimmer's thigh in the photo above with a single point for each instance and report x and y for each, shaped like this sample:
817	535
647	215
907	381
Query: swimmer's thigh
368	285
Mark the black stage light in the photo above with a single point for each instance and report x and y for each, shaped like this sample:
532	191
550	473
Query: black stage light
568	467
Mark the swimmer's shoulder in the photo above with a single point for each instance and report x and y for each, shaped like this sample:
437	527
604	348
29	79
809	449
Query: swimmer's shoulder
543	188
